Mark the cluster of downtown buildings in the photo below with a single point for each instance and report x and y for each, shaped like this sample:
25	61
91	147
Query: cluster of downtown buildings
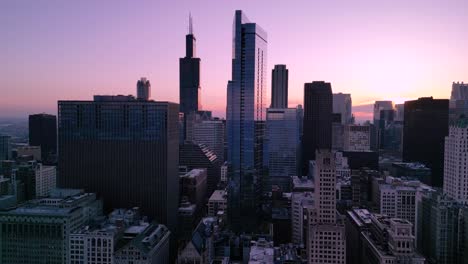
130	180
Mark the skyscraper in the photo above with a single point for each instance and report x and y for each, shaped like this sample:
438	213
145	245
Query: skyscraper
455	162
459	91
143	89
458	100
343	104
125	150
438	231
326	234
195	156
5	147
279	87
424	132
283	146
381	105
189	75
211	134
43	133
245	117
317	134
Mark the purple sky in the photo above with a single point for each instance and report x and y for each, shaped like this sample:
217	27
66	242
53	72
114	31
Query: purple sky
401	49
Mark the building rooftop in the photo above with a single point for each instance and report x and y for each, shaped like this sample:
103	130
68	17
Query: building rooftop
38	210
302	183
411	165
218	195
360	216
194	173
261	252
144	236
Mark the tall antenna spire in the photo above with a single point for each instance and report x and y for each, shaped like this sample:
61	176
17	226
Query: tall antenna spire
190	24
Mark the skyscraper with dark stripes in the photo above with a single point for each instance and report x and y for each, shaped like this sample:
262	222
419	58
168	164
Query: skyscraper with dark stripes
123	149
189	75
43	133
317	128
279	87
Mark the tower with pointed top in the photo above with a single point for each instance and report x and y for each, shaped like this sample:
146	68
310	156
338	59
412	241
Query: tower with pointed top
189	75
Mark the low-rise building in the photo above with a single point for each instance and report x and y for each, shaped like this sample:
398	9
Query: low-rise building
390	240
217	202
40	229
143	244
261	252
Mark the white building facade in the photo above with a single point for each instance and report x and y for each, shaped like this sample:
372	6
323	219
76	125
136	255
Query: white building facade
326	241
455	162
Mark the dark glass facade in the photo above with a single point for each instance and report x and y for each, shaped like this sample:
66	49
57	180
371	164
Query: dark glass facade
124	150
279	87
362	159
424	131
317	128
43	133
189	78
245	118
196	156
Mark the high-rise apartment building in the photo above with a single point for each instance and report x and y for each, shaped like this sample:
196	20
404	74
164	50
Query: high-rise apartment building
317	128
279	87
326	234
424	132
356	138
283	145
143	89
123	149
456	161
245	118
189	75
43	133
342	104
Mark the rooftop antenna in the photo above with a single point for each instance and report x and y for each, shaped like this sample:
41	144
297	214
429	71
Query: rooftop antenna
190	24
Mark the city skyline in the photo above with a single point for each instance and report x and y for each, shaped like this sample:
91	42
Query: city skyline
104	49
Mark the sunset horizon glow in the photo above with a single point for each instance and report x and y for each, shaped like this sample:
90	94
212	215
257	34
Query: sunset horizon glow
392	50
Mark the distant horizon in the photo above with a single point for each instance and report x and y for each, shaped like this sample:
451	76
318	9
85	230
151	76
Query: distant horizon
374	51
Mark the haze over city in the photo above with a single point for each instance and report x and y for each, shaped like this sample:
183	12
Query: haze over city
397	50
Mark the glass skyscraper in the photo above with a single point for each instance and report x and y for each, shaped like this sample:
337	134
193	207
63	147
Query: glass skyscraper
283	146
245	116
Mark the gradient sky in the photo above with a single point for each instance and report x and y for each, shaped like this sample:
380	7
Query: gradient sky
52	50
